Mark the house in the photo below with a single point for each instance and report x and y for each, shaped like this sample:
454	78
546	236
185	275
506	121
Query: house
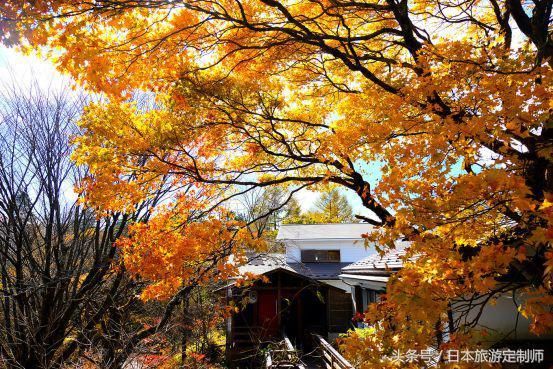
301	293
368	278
324	277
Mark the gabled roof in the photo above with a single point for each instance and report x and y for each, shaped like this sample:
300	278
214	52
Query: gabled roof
265	263
334	231
376	264
319	271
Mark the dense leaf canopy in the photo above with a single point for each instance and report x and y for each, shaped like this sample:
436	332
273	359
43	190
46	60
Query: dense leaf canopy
453	97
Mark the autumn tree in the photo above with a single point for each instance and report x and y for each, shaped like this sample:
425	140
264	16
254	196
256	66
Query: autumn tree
59	284
67	297
454	98
205	325
330	207
266	208
335	207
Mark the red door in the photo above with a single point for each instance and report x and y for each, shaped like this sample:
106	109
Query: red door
267	313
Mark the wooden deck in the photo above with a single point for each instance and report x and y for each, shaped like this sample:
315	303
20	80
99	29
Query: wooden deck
331	358
286	356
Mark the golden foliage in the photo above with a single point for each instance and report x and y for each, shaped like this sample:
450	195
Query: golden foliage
454	103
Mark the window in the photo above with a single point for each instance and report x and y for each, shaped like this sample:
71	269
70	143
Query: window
364	297
371	296
320	256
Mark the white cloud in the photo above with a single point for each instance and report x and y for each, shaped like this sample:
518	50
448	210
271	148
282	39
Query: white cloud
24	70
306	198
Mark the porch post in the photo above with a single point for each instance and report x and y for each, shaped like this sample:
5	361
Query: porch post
279	295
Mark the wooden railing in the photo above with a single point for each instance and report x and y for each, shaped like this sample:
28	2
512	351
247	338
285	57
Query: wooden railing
284	355
331	358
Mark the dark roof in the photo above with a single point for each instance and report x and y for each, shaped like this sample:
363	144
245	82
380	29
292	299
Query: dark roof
318	270
376	264
265	263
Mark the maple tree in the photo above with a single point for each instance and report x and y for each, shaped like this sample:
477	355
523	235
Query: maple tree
452	97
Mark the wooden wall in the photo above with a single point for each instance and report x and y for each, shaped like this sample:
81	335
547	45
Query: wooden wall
339	307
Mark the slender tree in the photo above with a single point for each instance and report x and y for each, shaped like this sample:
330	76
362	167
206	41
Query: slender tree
333	207
266	209
66	296
56	257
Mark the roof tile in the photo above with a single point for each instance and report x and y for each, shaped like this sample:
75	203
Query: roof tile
392	260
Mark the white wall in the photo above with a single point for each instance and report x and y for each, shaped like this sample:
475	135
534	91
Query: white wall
350	250
501	319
